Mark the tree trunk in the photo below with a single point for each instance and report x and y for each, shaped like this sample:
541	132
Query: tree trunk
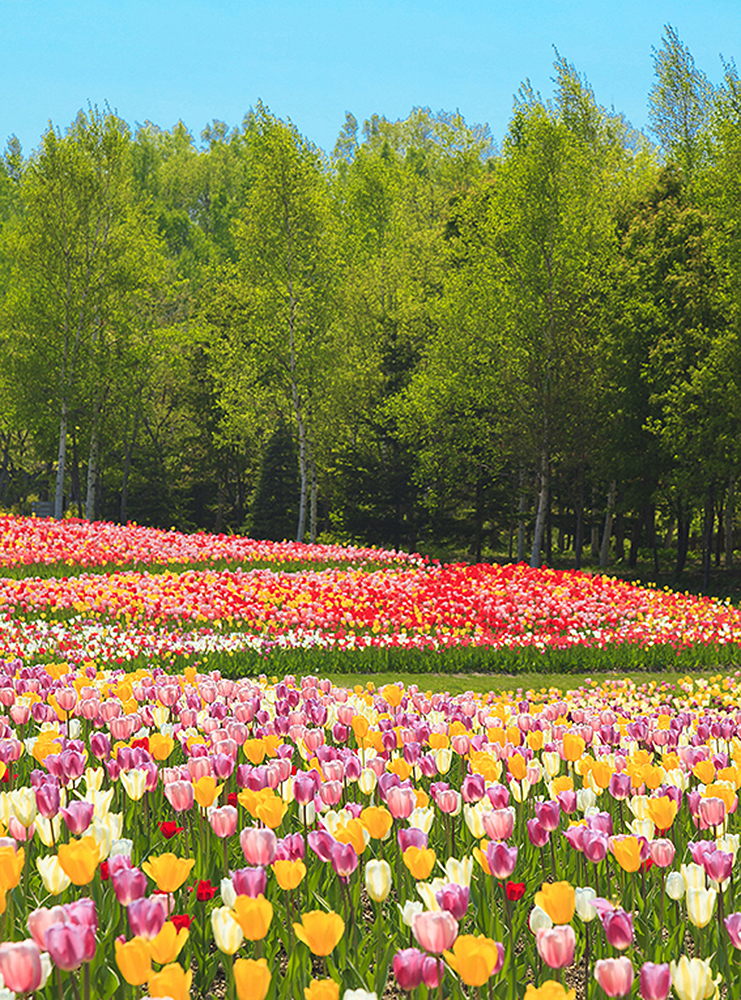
620	537
595	549
92	470
635	539
540	518
579	530
59	492
313	513
684	521
707	536
127	465
521	511
730	510
604	551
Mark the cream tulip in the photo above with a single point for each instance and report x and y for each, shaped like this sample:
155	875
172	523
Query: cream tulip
228	935
378	880
692	978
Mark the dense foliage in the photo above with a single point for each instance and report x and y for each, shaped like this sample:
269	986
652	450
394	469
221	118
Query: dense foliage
526	350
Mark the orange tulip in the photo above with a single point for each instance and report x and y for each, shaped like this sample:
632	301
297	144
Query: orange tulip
420	861
253	916
320	931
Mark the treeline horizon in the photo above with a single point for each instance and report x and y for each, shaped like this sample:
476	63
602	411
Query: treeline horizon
421	341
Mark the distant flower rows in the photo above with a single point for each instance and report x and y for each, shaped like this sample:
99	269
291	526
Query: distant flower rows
435	607
184	835
28	540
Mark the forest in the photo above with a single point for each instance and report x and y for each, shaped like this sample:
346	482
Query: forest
426	339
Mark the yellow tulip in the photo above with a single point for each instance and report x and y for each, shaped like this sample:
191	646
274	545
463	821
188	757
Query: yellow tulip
168	871
322	989
252	978
627	851
550	990
474	958
133	959
253	916
270	810
161	746
700	906
320	931
692	978
172	981
573	746
134	783
11	866
558	899
420	861
289	874
206	791
79	859
662	812
254	751
168	944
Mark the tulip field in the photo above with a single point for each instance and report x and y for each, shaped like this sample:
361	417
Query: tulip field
171	828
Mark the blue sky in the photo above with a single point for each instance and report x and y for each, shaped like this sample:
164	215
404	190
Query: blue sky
311	60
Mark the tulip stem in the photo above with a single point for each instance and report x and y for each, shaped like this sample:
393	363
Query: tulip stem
86	979
60	990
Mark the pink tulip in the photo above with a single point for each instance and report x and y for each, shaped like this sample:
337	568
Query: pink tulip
567	801
344	859
556	945
69	944
408	968
128	884
712	812
433	971
718	865
250	881
655	981
82	912
401	802
146	917
548	815
412	837
435	930
662	852
223	821
40	920
499	823
594	846
48	798
258	845
618	927
454	898
615	975
78	816
501	859
700	848
733	926
619	786
180	795
537	833
20	965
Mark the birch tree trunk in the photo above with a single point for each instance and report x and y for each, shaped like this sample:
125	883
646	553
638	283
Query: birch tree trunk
92	469
604	551
535	555
59	493
730	510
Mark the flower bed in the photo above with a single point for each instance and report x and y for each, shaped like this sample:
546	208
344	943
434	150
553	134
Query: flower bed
184	834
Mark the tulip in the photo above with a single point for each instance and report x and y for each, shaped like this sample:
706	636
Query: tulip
627	852
558	899
180	795
501	859
377	821
692	978
168	944
223	821
435	930
419	861
253	916
583	901
662	852
322	989
454	898
615	975
732	922
700	906
250	881
556	945
618	926
320	931
655	981
499	823
53	876
550	990
168	871
68	945
258	845
537	834
675	886
79	859
20	966
228	935
172	981
378	880
133	959
128	884
41	919
548	815
718	865
134	783
289	874
344	859
408	968
539	920
146	918
475	958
